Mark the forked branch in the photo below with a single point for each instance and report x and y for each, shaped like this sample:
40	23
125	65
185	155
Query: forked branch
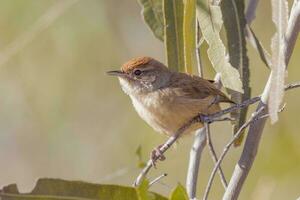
196	119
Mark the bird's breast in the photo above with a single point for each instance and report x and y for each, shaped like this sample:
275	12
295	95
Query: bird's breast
163	113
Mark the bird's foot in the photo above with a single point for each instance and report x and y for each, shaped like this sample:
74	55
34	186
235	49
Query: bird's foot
204	119
155	155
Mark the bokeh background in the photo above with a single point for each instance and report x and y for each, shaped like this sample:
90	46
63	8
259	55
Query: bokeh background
61	116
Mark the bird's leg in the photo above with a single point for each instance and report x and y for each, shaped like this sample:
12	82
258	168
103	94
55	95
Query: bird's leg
155	155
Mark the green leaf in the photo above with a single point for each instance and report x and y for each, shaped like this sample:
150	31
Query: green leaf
263	53
210	21
179	193
57	189
177	19
280	19
153	16
235	24
189	35
142	191
173	38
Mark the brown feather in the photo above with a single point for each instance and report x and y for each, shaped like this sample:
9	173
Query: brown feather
135	62
195	87
173	99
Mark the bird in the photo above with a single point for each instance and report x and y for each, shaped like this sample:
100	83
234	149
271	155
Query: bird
168	99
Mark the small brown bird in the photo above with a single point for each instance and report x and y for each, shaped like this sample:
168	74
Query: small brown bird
165	99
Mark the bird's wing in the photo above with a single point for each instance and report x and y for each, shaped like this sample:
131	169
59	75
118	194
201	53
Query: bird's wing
194	87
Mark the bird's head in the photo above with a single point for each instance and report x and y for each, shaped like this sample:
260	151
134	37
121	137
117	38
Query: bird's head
142	75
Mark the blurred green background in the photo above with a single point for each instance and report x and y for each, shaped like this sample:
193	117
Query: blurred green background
62	116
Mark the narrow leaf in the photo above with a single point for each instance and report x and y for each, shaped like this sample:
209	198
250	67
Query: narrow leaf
235	23
173	38
179	193
280	19
57	189
263	53
210	20
189	35
153	16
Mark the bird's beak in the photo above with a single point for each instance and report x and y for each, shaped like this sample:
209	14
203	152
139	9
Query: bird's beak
115	73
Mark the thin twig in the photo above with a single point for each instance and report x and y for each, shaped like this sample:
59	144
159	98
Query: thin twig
250	148
214	155
163	148
172	139
196	152
292	86
292	32
267	115
207	119
253	118
157	179
251	10
212	117
227	147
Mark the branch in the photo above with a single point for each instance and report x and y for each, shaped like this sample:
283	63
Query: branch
194	163
214	155
210	118
163	148
293	29
250	12
196	152
226	149
250	148
198	118
157	179
254	134
292	86
203	119
254	117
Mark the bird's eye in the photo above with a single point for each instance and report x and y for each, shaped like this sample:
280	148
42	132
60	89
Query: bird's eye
137	72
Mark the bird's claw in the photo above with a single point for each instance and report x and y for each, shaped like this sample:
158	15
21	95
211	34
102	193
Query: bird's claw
156	154
204	118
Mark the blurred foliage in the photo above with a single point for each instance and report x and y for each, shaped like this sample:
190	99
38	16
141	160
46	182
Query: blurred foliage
61	116
50	189
179	193
141	162
153	16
